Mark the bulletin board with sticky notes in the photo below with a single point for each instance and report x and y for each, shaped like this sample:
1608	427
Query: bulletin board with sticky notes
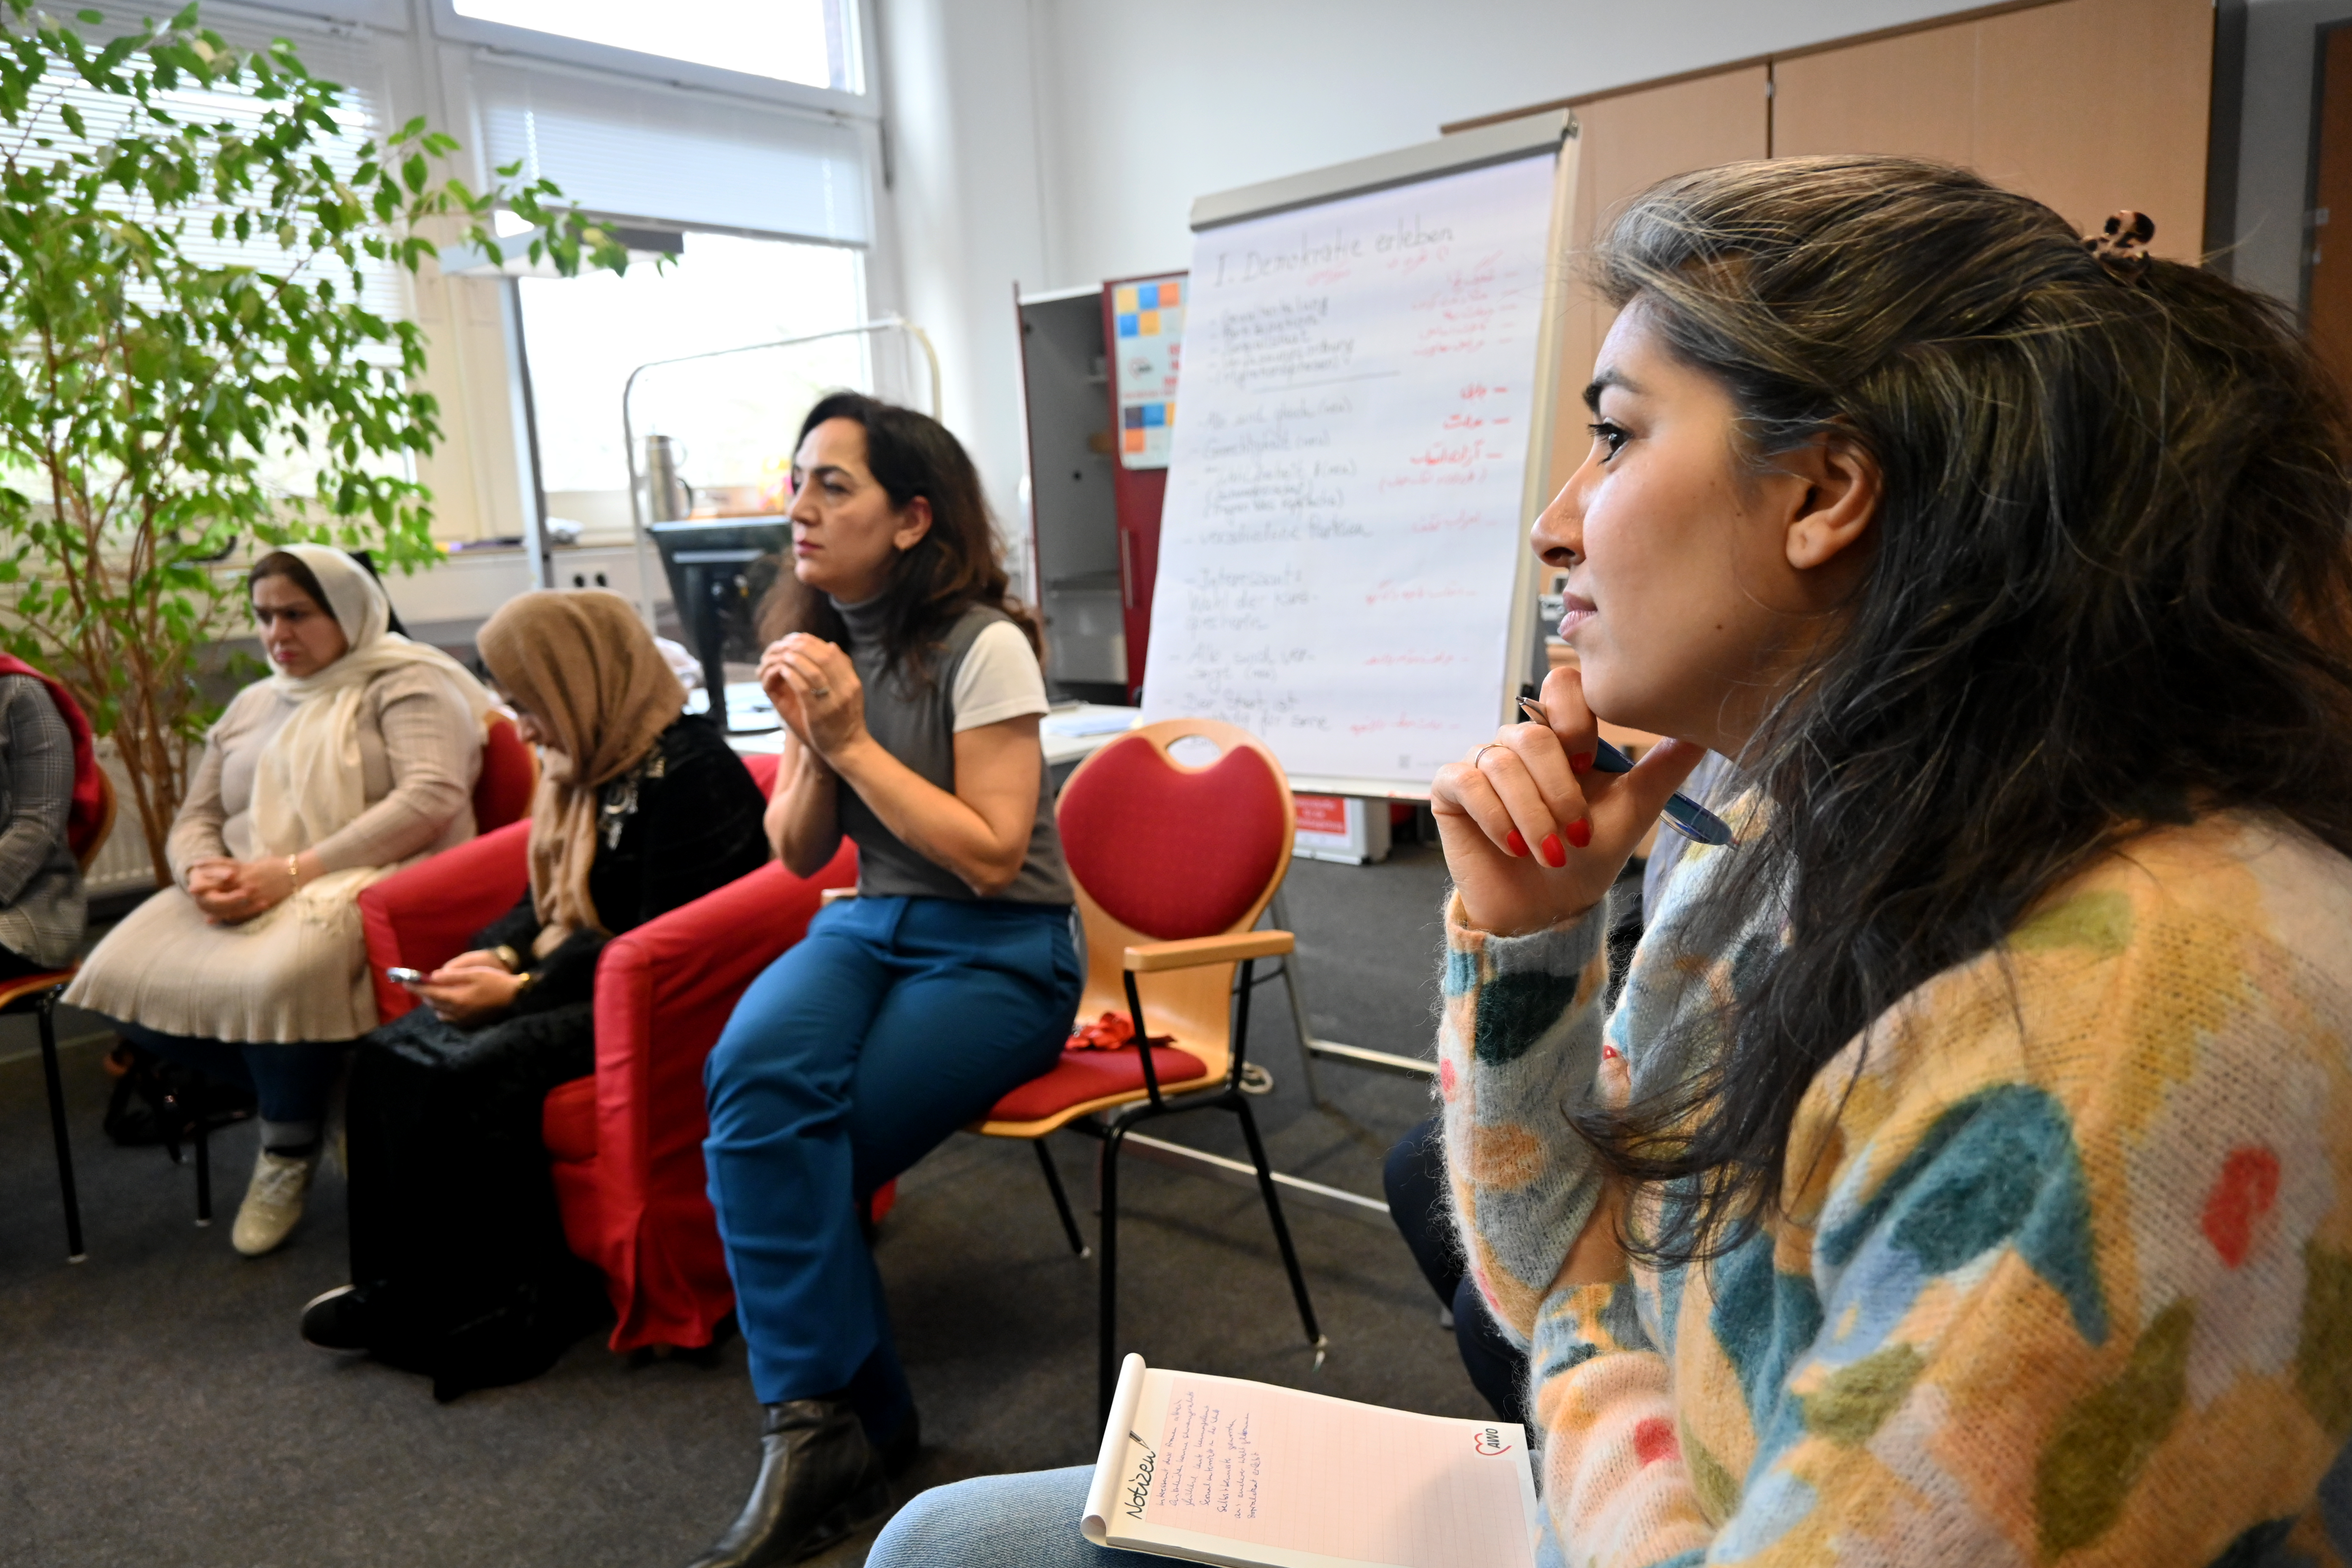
1147	345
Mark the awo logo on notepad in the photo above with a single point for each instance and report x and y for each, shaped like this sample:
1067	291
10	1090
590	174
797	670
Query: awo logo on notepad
1488	1440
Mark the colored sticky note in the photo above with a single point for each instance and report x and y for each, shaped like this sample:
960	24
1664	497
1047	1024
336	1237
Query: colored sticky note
1135	440
1149	323
1155	414
1131	417
1126	326
1170	295
1122	299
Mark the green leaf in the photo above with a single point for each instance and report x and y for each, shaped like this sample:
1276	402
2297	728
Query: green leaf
170	395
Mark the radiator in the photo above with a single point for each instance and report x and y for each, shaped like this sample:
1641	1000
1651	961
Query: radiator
122	863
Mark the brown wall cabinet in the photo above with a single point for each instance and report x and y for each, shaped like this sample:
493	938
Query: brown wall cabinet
2087	105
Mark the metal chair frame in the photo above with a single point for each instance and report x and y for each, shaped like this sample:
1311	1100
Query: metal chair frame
41	1001
1111	1123
1112	1127
38	995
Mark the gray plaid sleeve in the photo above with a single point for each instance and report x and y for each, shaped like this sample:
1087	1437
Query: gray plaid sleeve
37	792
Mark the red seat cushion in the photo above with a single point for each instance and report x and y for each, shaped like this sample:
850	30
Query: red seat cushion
1091	1075
567	1120
1171	853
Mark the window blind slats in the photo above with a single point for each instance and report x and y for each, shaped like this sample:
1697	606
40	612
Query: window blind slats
644	152
345	58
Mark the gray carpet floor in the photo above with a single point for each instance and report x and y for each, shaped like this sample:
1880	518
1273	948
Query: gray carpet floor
157	1408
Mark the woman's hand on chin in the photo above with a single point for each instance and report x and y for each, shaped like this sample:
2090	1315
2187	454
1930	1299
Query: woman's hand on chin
1532	835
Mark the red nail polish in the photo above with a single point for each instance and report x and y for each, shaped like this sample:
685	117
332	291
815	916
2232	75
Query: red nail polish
1582	763
1553	855
1515	844
1580	832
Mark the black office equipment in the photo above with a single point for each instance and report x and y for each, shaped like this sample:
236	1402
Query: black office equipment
718	571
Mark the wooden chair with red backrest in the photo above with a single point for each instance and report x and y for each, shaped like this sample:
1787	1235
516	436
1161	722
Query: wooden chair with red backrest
1175	859
38	995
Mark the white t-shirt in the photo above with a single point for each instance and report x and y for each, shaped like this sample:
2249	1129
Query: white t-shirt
999	680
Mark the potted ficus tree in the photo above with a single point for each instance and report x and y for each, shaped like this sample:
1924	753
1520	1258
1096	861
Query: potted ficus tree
192	364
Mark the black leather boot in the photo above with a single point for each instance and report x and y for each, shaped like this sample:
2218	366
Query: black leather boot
819	1480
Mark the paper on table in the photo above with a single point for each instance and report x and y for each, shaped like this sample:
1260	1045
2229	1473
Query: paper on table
1113	722
1222	1470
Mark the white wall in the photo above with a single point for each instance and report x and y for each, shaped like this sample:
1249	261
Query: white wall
1080	160
1051	143
967	207
1153	105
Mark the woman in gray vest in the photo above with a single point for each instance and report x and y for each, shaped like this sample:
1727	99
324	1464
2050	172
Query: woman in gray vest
910	693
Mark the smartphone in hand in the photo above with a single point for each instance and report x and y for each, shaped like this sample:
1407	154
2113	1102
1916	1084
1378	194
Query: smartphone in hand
399	976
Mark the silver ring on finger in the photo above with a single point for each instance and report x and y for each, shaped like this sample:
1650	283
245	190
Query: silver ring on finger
819	691
1483	751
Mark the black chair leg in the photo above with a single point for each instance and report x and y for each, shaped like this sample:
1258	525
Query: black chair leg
1061	1198
1281	1230
204	1134
1107	1367
46	1011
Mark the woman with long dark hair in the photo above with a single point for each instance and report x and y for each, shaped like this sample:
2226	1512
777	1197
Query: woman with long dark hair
910	693
1965	1175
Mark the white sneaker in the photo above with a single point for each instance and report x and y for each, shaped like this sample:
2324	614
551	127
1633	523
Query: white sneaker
273	1202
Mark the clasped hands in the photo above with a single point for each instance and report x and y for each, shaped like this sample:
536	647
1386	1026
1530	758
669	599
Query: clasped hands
1533	835
233	891
469	990
815	691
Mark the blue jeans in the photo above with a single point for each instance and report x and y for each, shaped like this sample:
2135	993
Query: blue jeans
893	1022
1414	1178
291	1082
1024	1522
1000	1522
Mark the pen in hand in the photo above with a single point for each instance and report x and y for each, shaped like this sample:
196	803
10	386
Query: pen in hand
1683	814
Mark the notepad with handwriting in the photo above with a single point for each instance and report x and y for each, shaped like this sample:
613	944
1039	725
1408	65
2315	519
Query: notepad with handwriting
1218	1469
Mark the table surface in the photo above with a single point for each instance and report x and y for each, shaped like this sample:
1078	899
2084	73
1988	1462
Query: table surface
1101	720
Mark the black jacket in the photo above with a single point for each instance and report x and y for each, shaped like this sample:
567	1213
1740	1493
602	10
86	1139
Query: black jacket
696	826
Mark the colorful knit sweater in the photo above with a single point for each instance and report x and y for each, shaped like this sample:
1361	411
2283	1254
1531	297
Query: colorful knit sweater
2066	1271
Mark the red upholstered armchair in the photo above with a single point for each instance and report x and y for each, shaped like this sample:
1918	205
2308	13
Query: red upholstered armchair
627	1142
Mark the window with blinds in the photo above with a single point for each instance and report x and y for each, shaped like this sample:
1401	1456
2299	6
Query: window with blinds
623	150
805	41
343	56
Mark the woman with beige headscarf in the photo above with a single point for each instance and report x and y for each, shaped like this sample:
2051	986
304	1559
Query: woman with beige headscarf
356	756
459	1261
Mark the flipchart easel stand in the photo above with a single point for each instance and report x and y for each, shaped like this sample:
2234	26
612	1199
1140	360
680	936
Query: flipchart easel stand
1529	135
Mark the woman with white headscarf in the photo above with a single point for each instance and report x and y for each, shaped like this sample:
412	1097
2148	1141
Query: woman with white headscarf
357	755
